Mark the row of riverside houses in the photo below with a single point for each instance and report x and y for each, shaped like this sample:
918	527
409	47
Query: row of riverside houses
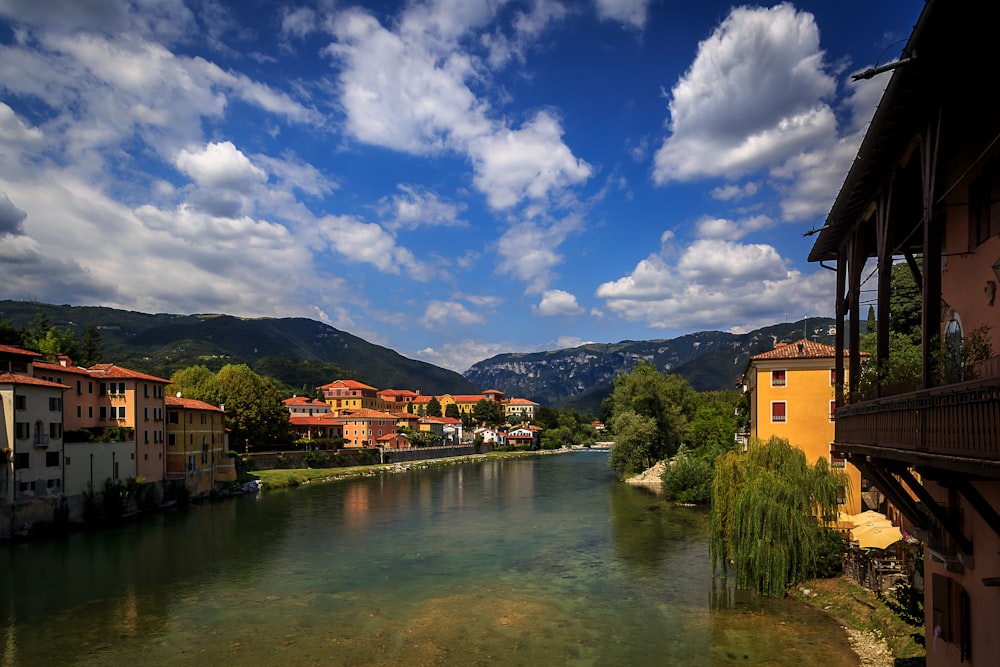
366	417
66	431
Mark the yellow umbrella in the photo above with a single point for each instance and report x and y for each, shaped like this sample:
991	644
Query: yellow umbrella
876	535
866	517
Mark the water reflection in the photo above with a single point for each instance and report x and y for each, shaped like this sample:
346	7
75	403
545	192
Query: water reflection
536	561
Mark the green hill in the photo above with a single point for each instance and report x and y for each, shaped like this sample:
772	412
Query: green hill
300	352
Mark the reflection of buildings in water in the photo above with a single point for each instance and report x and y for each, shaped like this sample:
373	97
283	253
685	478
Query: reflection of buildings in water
356	505
129	625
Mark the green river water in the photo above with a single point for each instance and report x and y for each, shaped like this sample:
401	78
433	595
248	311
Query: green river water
539	561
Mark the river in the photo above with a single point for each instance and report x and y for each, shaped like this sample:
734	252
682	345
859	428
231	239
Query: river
538	561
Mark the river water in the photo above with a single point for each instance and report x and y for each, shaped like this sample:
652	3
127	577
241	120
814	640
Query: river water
539	561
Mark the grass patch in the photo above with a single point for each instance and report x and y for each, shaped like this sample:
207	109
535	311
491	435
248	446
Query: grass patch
862	610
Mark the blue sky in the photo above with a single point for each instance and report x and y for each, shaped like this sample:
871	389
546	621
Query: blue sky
452	179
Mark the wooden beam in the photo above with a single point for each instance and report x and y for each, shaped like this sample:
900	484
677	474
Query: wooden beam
939	513
980	504
841	312
882	223
893	490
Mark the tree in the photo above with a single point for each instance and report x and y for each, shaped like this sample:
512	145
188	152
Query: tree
687	479
10	334
433	407
91	352
666	399
770	510
487	412
634	449
254	408
196	382
56	342
452	411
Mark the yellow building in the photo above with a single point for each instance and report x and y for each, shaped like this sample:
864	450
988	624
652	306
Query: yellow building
791	394
196	445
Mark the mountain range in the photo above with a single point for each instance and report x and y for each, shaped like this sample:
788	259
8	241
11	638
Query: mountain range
304	353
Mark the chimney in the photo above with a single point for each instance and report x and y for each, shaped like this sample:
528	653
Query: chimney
802	348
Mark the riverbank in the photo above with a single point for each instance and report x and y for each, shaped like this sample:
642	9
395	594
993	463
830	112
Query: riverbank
876	633
289	478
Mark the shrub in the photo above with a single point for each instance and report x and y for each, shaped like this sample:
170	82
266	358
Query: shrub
316	459
829	561
687	479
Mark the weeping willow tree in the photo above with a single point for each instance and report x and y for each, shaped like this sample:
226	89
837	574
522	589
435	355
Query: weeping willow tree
769	510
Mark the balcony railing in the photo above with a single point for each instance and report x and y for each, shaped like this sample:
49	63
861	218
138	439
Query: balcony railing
958	420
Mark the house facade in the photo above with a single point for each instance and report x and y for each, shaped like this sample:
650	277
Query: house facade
924	190
196	445
519	410
790	390
343	395
363	428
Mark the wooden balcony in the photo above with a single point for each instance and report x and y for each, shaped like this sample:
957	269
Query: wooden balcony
954	427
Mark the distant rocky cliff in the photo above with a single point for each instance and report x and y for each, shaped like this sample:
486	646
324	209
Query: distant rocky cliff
708	359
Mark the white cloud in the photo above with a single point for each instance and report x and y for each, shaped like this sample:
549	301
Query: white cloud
368	242
717	283
527	251
220	165
416	206
461	355
753	96
443	314
557	302
14	130
733	192
298	23
732	230
630	12
408	90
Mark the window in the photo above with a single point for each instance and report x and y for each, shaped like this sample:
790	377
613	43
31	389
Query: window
950	612
836	461
173	417
145	414
22	430
55	404
833	410
79	412
90	412
203	418
778	414
90	387
20	402
54	483
27	486
172	440
833	377
145	390
40	437
79	386
145	437
55	429
778	378
22	461
102	389
51	459
984	206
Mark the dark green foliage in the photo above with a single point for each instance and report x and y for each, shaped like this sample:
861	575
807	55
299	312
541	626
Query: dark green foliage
565	428
829	561
687	479
316	459
650	417
767	506
91	352
434	407
161	344
488	412
452	411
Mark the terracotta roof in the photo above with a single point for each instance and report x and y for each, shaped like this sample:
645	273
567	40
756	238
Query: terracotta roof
521	401
190	404
303	400
365	413
802	349
50	367
315	420
440	420
391	436
397	392
17	378
112	371
10	349
350	384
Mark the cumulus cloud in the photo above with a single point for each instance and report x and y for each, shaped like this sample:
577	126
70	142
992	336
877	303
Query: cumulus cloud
220	165
442	314
461	355
415	206
630	12
298	23
13	130
408	89
527	251
754	95
368	242
716	283
732	192
557	302
723	228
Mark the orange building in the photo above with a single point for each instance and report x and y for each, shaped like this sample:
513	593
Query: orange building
363	428
344	395
197	448
791	395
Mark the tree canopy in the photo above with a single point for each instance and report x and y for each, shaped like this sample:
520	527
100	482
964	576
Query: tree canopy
488	412
433	407
254	409
642	397
770	509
